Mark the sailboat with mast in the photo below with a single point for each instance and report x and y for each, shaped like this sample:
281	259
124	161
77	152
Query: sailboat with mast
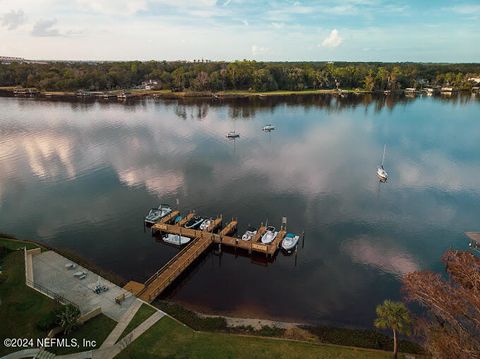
381	173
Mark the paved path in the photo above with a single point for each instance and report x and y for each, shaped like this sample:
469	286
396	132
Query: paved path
26	353
82	355
107	352
113	351
121	325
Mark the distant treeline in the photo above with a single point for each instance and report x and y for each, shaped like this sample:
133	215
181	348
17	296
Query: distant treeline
238	75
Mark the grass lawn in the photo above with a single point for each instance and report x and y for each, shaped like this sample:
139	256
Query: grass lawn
14	244
140	316
169	339
21	307
96	329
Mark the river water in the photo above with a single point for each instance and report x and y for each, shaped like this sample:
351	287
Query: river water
82	175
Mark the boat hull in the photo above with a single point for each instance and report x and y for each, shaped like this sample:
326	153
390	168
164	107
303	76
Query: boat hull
176	239
268	238
194	224
248	235
156	214
289	243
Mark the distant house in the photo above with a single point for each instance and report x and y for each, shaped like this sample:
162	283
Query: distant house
25	91
447	89
410	89
474	79
431	90
8	60
151	85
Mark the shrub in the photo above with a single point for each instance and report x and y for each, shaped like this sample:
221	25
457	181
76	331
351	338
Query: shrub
50	320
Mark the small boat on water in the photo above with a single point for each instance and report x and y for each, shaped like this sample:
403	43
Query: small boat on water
268	128
176	239
249	234
269	235
233	134
156	214
289	242
206	224
194	222
381	173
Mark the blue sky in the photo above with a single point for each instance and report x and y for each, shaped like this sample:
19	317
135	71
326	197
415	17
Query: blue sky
275	30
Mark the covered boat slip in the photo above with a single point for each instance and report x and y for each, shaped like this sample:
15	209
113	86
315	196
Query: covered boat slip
202	240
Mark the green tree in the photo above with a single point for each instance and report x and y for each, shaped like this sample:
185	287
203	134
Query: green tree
369	82
395	316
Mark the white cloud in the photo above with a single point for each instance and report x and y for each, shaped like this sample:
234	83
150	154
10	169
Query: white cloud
258	50
466	9
333	39
125	7
11	20
44	28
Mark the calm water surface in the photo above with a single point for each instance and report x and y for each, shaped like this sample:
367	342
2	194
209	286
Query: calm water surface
81	176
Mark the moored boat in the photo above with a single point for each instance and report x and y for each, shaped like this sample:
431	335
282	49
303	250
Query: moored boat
289	242
233	134
268	128
269	235
381	173
249	234
206	224
176	239
156	214
194	222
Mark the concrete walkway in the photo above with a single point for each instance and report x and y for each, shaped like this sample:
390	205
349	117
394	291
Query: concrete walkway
26	353
111	352
121	325
82	355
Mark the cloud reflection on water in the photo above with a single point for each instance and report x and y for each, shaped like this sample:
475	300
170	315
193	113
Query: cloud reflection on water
382	254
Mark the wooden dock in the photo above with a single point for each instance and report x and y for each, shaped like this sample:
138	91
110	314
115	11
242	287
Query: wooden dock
201	240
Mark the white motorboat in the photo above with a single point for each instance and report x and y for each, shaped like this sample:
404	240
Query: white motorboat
176	239
268	128
206	224
249	234
290	241
194	222
381	173
269	235
233	134
156	214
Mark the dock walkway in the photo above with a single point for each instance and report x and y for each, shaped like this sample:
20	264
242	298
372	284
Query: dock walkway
201	240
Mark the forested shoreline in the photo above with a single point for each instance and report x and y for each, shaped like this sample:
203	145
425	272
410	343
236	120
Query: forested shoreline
238	75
